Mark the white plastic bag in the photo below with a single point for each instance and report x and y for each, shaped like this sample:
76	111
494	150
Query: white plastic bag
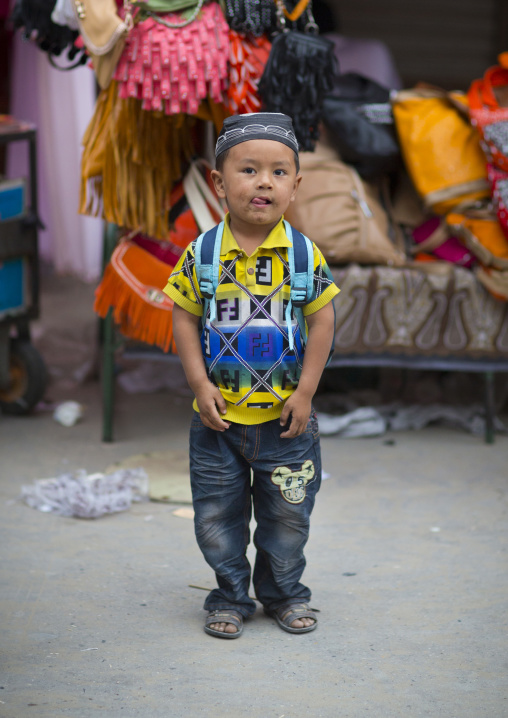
87	496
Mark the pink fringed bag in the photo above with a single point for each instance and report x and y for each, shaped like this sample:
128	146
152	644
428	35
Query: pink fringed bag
172	66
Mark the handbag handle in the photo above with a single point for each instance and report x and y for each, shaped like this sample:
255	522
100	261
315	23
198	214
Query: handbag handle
199	195
146	12
429	92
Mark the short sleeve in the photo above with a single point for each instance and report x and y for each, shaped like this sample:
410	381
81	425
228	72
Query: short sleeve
324	289
183	287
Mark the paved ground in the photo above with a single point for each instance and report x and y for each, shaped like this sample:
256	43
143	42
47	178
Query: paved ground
407	561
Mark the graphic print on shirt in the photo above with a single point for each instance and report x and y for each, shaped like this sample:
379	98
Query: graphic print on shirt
246	348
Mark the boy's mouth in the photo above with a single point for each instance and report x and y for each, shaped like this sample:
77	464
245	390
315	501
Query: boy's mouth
261	201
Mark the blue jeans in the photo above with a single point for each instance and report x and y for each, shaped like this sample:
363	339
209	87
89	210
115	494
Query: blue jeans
286	475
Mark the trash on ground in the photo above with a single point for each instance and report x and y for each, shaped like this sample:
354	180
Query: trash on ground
369	421
87	496
168	474
68	413
184	513
362	422
150	377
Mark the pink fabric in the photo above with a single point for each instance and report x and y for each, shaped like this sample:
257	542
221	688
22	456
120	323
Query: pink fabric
175	69
450	251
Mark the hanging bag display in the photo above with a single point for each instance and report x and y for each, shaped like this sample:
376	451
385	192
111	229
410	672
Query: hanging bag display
440	149
299	73
33	18
104	33
251	17
172	64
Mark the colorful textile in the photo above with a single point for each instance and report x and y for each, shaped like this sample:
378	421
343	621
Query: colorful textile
246	348
131	286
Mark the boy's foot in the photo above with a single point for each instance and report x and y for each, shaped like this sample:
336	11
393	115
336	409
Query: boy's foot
224	623
294	617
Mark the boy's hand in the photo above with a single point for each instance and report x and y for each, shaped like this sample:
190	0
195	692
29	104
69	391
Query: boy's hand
210	402
298	406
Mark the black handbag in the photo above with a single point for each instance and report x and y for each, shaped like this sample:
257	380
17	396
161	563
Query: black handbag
33	18
300	71
358	117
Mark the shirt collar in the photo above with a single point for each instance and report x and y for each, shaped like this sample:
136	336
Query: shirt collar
276	238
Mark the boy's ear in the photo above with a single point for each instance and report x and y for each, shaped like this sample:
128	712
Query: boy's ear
218	183
298	179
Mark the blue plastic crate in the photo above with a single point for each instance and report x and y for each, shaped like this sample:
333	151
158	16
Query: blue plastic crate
12	199
13	287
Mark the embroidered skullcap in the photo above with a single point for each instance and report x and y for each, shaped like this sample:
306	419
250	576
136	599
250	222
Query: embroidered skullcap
256	126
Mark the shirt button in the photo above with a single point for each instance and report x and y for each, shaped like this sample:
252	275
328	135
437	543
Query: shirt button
250	270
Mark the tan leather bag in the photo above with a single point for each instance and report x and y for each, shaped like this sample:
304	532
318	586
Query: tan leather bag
103	32
341	213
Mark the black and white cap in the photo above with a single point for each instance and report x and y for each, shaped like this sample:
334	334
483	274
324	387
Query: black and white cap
256	126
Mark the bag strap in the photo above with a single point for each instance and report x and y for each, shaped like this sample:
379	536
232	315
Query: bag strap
204	188
207	262
301	278
199	199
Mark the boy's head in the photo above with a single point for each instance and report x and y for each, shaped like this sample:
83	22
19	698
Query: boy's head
257	168
255	126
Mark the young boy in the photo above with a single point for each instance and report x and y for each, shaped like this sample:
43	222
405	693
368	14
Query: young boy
253	396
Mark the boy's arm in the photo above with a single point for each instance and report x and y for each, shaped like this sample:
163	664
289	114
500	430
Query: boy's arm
320	335
209	399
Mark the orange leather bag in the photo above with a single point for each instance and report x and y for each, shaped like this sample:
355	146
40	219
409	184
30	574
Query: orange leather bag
481	232
441	150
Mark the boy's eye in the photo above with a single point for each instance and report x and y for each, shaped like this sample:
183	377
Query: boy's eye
248	170
280	173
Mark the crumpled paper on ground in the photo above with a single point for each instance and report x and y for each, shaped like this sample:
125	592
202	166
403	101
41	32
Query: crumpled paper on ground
87	496
362	422
369	421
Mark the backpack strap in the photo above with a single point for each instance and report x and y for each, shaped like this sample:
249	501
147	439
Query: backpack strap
301	269
301	277
207	260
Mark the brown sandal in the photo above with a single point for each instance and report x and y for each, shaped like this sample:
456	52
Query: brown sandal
285	615
224	616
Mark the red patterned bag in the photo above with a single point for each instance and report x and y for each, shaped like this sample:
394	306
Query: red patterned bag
171	68
248	56
499	183
488	106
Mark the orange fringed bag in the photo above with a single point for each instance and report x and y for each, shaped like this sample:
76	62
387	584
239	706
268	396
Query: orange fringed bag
132	285
132	159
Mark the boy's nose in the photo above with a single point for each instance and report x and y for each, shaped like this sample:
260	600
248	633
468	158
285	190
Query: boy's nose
264	179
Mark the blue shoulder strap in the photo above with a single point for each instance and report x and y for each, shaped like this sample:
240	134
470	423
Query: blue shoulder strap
301	274
207	259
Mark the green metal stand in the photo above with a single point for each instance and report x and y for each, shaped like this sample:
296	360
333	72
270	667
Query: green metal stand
109	344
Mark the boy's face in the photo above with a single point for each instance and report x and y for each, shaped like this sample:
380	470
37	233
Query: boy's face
258	181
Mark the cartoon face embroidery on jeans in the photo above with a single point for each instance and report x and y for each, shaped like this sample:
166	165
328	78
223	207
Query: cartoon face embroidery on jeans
292	483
